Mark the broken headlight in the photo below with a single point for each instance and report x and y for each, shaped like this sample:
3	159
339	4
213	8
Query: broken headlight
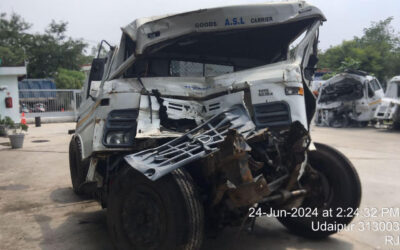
120	128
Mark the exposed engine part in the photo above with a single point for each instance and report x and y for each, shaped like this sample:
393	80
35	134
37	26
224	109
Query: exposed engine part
231	163
238	173
226	144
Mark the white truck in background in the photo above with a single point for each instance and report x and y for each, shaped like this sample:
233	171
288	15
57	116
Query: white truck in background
388	110
348	99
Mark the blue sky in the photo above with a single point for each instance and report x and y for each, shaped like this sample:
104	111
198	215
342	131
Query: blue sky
94	20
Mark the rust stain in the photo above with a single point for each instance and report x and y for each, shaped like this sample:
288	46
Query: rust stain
81	121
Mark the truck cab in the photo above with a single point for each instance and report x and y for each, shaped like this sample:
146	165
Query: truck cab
388	109
348	99
197	117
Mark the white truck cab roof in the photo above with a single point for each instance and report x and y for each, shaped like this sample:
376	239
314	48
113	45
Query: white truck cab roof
149	31
232	25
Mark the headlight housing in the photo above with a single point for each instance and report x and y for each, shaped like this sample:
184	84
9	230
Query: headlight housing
120	128
294	91
118	138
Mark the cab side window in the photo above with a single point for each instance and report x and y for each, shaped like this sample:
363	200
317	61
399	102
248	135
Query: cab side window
370	90
375	85
96	72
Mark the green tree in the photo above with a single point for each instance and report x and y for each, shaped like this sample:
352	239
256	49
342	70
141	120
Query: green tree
69	79
44	52
13	38
52	50
349	63
95	50
377	52
10	57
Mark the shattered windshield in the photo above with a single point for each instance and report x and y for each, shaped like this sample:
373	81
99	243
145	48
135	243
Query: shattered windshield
216	53
185	68
342	89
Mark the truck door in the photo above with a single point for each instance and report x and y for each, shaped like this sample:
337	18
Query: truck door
374	94
85	121
305	55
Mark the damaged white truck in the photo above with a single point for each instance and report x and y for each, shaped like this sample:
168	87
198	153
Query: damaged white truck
201	120
348	99
388	110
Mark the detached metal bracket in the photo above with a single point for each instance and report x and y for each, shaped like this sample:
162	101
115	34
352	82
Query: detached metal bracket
202	140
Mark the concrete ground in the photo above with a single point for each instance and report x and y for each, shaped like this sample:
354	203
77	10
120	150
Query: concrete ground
38	209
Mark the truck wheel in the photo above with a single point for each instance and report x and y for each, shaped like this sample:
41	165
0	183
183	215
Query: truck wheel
338	188
396	125
78	167
363	124
164	214
339	122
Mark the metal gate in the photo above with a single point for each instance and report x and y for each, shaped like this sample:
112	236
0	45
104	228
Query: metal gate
58	104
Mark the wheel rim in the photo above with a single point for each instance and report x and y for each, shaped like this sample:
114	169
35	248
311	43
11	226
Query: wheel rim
144	219
321	192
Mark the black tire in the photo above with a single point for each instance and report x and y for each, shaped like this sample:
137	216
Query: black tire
339	122
344	193
363	124
317	120
164	214
396	125
78	167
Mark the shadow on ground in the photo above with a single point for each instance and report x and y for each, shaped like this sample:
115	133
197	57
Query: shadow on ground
269	234
388	130
79	231
14	187
88	230
66	195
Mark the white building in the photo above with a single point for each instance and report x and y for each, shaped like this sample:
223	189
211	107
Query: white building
9	89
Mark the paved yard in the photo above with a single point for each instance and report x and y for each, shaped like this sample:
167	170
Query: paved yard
38	209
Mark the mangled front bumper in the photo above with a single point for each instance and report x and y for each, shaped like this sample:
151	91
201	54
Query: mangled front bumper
202	140
222	145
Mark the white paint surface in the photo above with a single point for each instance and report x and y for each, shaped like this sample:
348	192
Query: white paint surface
9	87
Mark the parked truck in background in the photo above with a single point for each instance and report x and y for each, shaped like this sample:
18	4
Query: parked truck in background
388	110
348	99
